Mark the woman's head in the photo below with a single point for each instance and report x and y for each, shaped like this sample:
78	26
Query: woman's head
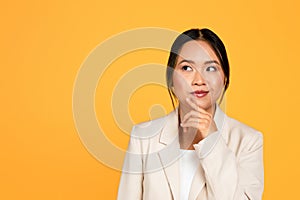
198	63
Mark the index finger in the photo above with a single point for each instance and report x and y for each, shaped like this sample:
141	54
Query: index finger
196	107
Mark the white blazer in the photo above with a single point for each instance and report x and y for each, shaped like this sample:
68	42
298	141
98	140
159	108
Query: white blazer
231	162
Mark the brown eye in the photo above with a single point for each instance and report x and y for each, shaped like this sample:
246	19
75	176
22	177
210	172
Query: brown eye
186	68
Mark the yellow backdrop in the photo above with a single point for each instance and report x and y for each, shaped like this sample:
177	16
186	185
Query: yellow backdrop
44	43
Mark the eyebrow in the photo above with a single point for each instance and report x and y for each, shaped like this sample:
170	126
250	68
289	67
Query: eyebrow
212	61
189	61
206	62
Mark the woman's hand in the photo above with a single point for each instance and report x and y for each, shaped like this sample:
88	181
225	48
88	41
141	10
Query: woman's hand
198	121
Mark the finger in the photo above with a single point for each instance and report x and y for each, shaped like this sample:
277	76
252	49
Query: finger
196	114
195	102
197	120
194	105
202	127
196	123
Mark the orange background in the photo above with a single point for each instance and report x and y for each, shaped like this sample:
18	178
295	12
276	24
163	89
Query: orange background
43	44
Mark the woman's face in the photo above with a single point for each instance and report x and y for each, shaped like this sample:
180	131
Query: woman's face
198	74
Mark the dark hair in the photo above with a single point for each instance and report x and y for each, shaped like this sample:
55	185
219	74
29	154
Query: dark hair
197	34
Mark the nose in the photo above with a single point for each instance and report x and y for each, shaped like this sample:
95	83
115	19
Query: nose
198	79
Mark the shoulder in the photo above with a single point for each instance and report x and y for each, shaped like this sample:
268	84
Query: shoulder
241	135
151	127
243	128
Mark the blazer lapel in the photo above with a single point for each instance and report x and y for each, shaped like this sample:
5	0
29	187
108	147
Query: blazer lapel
169	155
199	178
197	184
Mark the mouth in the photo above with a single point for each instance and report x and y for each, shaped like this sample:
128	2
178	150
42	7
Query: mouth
200	93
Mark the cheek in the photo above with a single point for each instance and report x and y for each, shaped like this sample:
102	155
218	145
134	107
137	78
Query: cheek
181	83
216	83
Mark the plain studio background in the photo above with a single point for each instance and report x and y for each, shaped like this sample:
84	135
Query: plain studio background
43	45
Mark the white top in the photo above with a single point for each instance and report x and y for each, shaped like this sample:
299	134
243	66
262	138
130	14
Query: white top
188	166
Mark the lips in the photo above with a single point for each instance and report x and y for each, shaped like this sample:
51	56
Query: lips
200	93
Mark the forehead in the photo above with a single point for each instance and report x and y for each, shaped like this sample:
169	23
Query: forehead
198	51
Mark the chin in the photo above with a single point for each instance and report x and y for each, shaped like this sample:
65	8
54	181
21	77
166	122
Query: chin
205	105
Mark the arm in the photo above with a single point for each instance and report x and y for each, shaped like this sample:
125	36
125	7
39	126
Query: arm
229	177
131	182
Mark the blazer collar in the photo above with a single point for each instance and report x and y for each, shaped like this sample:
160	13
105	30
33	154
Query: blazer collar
219	118
169	155
170	130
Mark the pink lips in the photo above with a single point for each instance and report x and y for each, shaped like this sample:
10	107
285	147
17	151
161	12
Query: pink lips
199	93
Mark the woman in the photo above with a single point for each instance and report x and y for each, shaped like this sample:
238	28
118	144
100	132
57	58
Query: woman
196	151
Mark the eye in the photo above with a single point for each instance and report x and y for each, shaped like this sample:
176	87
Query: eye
211	69
186	68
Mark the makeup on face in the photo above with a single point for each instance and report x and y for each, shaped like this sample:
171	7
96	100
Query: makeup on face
198	74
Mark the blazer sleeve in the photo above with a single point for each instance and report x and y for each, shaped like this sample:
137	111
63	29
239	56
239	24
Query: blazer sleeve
230	176
130	186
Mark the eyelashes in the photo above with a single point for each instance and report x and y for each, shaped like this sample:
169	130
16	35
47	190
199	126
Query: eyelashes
210	68
186	68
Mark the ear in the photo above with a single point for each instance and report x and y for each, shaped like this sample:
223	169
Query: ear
225	80
172	88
